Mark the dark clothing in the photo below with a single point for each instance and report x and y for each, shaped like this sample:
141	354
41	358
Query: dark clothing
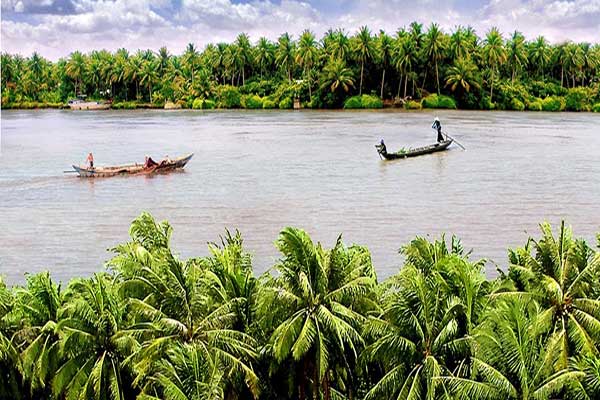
91	163
150	163
438	126
440	137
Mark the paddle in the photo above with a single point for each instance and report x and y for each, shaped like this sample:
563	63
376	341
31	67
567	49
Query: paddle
69	172
455	141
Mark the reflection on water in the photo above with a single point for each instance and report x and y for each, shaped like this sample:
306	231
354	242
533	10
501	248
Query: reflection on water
261	171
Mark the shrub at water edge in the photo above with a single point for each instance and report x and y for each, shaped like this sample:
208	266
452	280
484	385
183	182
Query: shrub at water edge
553	103
438	101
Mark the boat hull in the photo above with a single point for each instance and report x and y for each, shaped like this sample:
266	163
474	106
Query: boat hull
89	105
419	151
132	169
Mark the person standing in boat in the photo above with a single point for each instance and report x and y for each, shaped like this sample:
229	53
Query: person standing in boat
438	126
382	148
90	160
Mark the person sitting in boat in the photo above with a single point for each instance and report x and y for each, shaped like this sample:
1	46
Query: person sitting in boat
90	160
382	148
149	162
438	126
165	161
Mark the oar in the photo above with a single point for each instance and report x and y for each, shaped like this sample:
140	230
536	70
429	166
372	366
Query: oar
455	141
69	172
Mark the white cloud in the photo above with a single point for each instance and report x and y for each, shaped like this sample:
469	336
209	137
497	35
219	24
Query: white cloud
57	27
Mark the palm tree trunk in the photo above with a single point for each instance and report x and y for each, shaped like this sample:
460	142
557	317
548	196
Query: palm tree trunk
424	80
492	87
399	86
437	77
243	77
382	82
362	68
316	383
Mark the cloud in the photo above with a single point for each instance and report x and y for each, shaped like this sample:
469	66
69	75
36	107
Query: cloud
55	28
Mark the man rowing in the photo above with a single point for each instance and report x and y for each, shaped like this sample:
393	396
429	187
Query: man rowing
438	126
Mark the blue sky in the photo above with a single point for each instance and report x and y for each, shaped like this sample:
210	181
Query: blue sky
55	28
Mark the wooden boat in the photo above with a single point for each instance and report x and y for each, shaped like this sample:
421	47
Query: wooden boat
81	104
133	169
418	151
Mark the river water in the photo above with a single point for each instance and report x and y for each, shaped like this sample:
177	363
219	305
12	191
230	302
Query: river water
261	171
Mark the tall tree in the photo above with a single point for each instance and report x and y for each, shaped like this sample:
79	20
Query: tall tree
385	49
434	47
494	54
364	50
306	56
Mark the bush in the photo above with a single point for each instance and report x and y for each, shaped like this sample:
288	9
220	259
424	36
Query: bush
596	108
517	105
370	101
286	103
578	99
251	102
553	103
268	104
534	105
208	104
124	105
229	97
438	101
412	105
353	102
197	104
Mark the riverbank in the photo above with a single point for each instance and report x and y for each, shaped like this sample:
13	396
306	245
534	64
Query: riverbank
578	100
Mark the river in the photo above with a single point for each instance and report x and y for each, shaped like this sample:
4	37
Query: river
318	170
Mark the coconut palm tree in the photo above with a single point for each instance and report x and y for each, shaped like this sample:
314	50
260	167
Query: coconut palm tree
93	347
460	46
285	54
315	308
336	75
364	49
513	361
243	54
39	303
191	57
340	46
10	362
149	76
385	48
539	54
170	300
516	53
434	48
463	75
559	271
307	55
494	54
76	68
264	55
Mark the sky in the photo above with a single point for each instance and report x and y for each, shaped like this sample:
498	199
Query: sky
55	28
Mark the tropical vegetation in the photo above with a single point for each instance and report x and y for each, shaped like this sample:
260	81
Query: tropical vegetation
493	71
318	325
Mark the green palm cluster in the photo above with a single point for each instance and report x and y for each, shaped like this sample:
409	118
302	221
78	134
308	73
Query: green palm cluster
316	326
481	72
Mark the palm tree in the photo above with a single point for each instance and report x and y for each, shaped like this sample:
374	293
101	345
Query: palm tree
133	70
385	51
39	303
314	305
76	68
434	47
10	362
516	53
93	347
462	75
243	56
539	54
494	54
285	54
513	360
336	75
149	75
190	57
460	46
170	301
263	54
340	45
364	50
307	55
559	273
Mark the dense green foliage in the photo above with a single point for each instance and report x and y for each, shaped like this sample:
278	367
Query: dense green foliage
489	72
319	326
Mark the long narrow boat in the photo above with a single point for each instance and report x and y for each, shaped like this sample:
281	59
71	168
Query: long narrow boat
418	151
133	169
